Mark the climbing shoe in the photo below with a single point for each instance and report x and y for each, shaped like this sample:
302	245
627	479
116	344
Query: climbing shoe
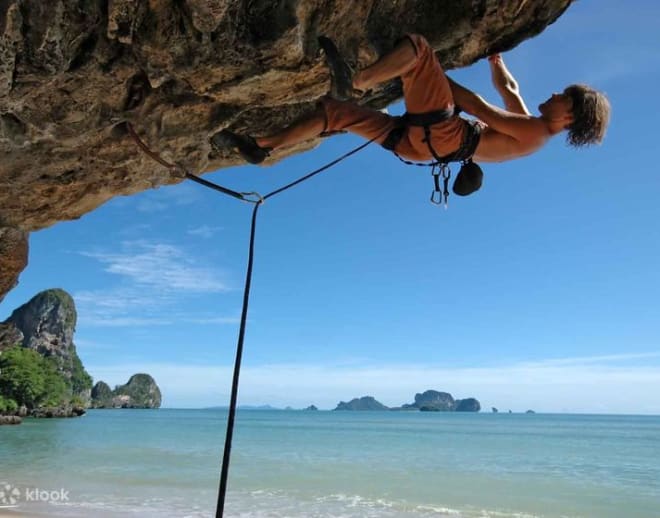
341	74
469	179
246	146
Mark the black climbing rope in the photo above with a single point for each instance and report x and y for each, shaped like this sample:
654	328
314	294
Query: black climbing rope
224	474
257	200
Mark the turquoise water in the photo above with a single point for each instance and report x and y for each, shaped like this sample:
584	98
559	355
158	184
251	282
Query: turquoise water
337	464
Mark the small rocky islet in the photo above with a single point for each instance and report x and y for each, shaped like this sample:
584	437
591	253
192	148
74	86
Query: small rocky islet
428	401
141	391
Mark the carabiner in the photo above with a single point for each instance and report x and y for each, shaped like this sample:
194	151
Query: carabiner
436	194
446	175
252	197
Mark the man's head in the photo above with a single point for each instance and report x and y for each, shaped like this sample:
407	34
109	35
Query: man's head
580	109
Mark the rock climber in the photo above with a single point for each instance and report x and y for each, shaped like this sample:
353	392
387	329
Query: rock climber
431	128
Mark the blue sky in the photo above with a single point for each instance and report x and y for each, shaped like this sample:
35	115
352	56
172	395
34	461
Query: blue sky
540	291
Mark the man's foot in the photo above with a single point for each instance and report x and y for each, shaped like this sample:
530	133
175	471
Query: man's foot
341	74
246	146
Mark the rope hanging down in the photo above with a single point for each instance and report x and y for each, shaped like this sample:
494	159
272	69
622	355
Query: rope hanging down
256	199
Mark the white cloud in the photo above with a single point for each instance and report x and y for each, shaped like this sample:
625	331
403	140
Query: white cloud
591	385
583	360
166	197
152	281
161	266
120	307
131	307
205	231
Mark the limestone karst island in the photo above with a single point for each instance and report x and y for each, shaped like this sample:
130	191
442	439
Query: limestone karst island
428	401
41	374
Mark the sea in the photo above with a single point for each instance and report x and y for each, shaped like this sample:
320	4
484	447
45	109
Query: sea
333	464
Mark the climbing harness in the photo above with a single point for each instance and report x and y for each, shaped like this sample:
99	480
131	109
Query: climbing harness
469	177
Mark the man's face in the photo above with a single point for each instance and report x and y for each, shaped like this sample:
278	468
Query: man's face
559	108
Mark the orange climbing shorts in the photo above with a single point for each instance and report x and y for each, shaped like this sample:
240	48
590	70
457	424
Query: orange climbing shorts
425	89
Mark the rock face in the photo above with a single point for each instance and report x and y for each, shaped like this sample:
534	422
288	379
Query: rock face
428	401
434	401
467	405
13	256
61	411
46	325
102	395
71	74
363	403
9	335
10	419
141	391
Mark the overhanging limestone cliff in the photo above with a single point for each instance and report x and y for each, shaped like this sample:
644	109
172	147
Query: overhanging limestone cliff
71	72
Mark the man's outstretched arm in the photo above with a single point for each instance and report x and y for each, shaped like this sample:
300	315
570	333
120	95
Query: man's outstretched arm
523	129
506	85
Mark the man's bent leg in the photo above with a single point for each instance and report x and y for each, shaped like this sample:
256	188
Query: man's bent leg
395	63
301	130
333	115
427	89
360	120
425	86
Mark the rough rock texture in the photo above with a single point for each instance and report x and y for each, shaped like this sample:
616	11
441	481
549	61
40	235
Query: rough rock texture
467	405
72	72
363	403
141	391
46	324
9	335
101	395
10	419
432	399
60	411
13	255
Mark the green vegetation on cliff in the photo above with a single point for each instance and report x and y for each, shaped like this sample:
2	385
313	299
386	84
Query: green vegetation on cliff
39	367
80	380
7	406
31	380
139	387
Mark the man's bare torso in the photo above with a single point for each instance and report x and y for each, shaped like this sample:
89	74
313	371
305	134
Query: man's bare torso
495	146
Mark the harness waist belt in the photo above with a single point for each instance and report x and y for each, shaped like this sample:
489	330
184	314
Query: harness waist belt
427	118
